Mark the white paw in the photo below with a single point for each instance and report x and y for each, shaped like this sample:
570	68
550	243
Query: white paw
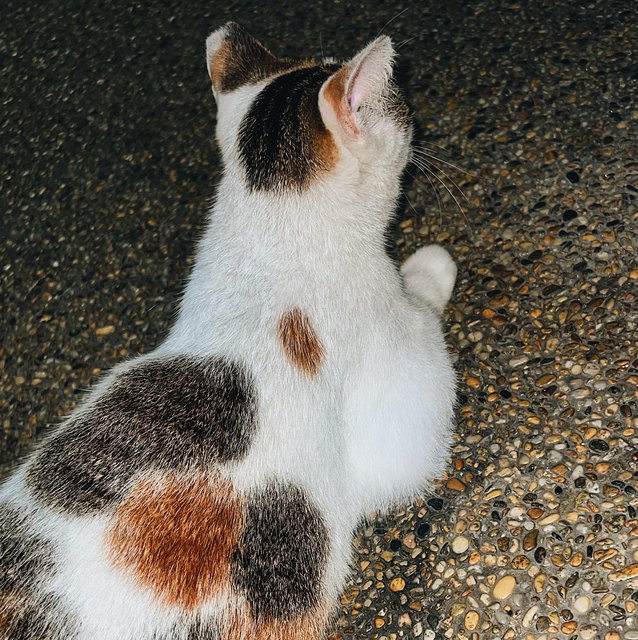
430	274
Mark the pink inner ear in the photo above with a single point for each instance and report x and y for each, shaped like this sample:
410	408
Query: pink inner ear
355	92
367	73
341	100
347	119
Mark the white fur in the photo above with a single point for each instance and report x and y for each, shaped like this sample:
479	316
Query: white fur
374	426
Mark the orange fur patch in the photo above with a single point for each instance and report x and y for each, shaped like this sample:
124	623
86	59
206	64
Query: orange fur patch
300	342
336	88
177	535
219	62
327	152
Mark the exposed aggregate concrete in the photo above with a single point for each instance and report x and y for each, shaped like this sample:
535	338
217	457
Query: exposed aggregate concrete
108	164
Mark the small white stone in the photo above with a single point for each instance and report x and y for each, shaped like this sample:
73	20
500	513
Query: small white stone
529	616
517	361
582	604
460	544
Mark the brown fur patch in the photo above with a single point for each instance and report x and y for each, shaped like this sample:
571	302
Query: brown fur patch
327	151
177	534
241	60
9	608
218	63
242	626
300	342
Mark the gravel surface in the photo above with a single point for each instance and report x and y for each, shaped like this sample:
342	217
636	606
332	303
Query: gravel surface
108	164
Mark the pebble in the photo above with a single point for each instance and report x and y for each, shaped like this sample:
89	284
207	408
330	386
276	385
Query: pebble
577	559
520	562
504	587
471	620
529	616
539	582
550	519
105	331
460	544
545	380
630	571
599	446
397	584
569	627
456	485
582	604
530	540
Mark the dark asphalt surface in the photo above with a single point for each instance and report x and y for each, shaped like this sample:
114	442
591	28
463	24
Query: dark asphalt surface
108	163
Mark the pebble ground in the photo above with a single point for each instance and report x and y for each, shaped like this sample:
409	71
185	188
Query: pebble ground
107	167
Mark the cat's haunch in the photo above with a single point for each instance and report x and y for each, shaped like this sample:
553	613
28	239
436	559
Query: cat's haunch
210	489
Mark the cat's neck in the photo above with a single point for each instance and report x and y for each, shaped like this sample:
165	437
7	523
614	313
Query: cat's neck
267	238
261	253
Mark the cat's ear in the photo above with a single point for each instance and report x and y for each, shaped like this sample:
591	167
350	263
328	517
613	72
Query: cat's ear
234	58
360	81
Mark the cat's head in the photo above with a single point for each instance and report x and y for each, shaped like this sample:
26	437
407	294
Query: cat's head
287	125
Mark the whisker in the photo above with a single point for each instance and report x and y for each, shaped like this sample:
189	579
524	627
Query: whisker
398	15
416	213
449	164
438	146
431	165
404	42
436	193
438	179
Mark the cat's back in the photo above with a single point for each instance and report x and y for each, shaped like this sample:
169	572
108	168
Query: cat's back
157	503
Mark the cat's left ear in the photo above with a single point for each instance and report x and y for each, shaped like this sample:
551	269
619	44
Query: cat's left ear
234	58
360	81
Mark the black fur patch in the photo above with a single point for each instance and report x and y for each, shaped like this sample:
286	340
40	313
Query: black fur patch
246	61
24	557
200	631
37	618
282	554
26	560
163	414
193	629
283	142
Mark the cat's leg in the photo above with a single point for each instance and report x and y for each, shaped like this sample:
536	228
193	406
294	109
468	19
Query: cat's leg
399	411
429	275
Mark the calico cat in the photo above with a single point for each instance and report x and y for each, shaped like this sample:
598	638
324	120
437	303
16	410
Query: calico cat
210	489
